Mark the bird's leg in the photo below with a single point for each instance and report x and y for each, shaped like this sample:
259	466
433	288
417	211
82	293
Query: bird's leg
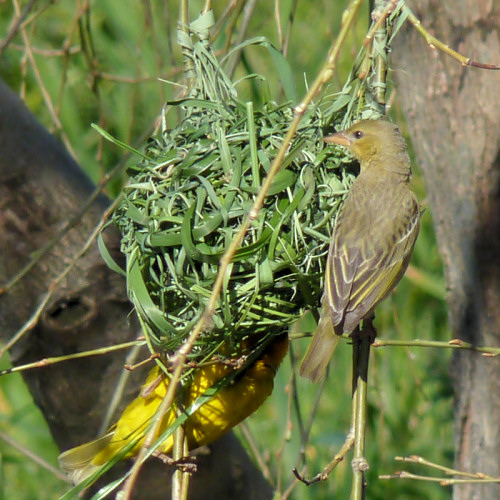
184	464
368	328
355	334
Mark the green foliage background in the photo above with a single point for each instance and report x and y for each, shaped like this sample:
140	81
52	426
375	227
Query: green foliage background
115	50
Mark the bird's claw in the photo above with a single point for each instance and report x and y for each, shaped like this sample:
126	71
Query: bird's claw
184	464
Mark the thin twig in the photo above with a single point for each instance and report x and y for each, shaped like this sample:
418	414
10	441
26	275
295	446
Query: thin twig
257	455
28	325
292	406
119	388
78	355
47	52
35	458
126	492
221	21
278	23
291	16
207	7
179	478
339	457
286	494
466	477
378	51
69	224
248	11
487	352
389	8
306	431
442	481
45	93
16	24
434	43
66	60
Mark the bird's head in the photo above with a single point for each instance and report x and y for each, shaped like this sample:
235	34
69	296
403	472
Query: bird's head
372	139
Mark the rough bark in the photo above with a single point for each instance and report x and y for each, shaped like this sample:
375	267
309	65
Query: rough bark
453	116
41	187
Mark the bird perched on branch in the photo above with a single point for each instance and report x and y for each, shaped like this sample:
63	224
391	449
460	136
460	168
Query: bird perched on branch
227	408
373	238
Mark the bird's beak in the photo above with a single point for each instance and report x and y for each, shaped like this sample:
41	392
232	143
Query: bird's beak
338	138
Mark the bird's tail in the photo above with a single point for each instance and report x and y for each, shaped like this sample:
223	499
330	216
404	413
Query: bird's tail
320	350
77	462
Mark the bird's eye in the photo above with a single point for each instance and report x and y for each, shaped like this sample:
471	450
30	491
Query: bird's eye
358	134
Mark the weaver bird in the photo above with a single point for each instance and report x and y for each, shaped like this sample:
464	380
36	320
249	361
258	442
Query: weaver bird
372	241
227	408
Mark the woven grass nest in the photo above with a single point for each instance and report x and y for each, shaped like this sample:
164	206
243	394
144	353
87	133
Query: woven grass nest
186	201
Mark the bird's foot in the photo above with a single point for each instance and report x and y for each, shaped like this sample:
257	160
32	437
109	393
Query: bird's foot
184	464
367	330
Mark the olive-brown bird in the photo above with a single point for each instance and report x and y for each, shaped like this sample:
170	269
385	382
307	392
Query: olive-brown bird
227	408
373	238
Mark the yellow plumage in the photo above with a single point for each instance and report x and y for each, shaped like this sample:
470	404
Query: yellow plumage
232	404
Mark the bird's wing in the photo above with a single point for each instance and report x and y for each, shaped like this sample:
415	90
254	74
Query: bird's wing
380	272
77	462
358	277
341	268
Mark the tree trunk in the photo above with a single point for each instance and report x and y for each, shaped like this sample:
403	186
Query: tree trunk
41	188
453	115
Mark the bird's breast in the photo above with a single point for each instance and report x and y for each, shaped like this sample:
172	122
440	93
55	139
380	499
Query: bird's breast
372	212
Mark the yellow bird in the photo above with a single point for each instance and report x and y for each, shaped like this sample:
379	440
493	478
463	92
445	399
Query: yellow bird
372	241
232	404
